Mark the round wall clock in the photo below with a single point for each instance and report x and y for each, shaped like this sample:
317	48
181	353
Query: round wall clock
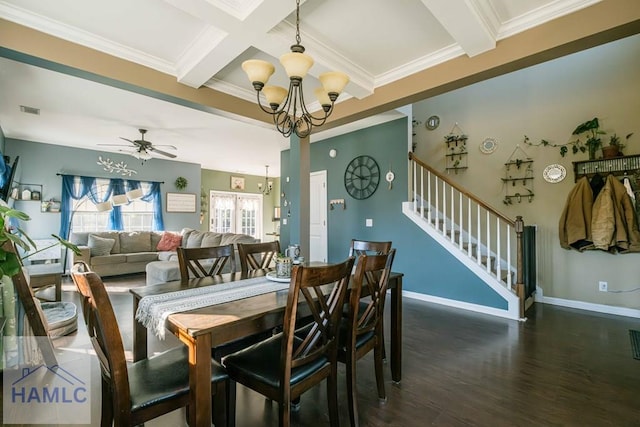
361	177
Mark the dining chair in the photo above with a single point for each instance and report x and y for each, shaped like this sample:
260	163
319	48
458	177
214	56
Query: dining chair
256	256
291	362
362	330
367	247
358	248
149	388
207	261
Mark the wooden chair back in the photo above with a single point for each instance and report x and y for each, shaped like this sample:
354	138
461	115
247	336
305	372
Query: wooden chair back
323	291
203	262
105	337
256	256
83	289
365	247
365	315
35	315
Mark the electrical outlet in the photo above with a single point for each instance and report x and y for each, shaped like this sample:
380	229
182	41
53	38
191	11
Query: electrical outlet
603	286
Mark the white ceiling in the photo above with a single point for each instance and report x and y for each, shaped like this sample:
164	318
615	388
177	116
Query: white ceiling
204	42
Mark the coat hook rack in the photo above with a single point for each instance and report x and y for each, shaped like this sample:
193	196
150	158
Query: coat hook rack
337	202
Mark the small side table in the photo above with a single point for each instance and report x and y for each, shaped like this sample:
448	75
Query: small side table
46	275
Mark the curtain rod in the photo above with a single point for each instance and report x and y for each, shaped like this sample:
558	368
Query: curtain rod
110	177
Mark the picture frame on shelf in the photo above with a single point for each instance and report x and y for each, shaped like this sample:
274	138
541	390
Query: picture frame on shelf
50	206
35	195
237	183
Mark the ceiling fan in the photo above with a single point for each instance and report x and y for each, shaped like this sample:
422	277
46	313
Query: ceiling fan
143	148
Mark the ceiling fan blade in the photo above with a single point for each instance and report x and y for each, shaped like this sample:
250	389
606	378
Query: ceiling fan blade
112	145
164	153
127	140
173	147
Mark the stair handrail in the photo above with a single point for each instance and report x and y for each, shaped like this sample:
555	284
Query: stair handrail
462	190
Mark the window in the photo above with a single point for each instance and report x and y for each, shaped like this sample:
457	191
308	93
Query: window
236	213
137	215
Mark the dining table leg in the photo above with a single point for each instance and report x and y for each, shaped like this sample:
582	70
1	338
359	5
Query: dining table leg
199	379
396	330
139	336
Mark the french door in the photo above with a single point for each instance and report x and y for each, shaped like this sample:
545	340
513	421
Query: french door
239	213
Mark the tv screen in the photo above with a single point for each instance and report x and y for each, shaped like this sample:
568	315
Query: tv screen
8	177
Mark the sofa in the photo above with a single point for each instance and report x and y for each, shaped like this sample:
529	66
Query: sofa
111	253
167	267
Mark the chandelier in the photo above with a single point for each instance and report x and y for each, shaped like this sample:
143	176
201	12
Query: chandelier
289	111
267	186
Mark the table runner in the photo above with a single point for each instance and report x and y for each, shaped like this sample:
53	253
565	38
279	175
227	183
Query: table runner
153	310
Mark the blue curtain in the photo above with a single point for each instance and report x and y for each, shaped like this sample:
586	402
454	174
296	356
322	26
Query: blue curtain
89	188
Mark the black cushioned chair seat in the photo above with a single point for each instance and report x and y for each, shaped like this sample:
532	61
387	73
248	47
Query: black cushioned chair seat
343	330
262	362
150	379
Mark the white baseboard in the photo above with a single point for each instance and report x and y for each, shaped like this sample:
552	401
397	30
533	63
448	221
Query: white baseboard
462	305
600	308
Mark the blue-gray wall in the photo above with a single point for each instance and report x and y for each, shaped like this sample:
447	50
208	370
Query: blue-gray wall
39	163
428	268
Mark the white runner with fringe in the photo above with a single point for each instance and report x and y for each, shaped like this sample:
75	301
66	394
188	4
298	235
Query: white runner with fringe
153	310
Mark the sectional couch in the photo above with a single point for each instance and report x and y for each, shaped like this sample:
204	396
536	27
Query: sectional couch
167	269
111	253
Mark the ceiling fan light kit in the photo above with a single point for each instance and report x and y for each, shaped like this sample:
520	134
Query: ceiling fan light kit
142	148
288	108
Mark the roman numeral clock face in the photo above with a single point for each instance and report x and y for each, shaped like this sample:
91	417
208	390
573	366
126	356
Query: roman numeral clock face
361	178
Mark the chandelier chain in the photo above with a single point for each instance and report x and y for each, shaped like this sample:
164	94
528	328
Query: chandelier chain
298	39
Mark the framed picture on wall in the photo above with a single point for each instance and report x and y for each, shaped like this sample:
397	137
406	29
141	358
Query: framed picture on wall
181	202
237	183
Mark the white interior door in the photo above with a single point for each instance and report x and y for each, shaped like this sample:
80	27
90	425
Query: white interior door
318	217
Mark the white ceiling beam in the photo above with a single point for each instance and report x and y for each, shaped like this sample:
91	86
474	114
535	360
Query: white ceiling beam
471	23
227	37
263	28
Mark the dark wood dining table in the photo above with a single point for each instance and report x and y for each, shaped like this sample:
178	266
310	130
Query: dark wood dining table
207	327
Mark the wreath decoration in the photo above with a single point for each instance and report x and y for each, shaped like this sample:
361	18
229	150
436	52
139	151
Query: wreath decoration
181	183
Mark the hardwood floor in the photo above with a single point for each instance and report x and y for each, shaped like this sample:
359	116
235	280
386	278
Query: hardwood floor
562	367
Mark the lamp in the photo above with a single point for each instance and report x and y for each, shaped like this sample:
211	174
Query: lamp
102	207
134	194
267	186
285	104
119	199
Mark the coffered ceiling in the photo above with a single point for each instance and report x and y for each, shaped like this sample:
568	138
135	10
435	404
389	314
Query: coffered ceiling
198	47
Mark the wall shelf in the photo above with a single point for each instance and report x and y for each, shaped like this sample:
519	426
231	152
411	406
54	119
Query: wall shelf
618	166
26	192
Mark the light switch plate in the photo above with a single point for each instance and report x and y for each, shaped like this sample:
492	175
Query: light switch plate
368	222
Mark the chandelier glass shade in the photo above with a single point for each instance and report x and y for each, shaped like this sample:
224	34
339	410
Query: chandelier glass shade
288	107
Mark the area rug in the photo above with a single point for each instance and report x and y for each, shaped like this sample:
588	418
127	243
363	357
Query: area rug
635	343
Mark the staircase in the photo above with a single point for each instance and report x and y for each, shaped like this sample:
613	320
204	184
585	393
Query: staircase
484	240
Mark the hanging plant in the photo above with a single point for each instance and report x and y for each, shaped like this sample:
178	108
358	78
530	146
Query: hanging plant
181	183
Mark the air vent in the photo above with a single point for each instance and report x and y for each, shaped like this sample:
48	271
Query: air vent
30	110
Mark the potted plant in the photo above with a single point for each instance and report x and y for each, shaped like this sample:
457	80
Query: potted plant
10	263
592	130
614	149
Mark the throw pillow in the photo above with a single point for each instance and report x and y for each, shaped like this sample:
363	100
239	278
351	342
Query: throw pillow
169	241
100	246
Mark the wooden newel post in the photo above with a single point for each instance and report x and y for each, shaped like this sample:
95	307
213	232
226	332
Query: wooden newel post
519	228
